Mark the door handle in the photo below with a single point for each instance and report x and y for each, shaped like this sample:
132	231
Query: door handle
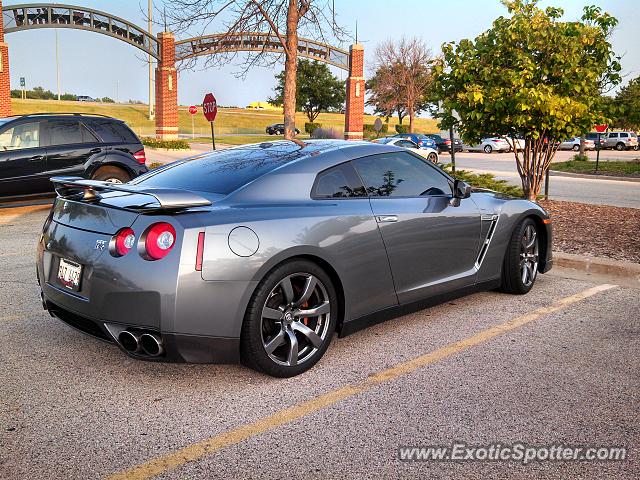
95	150
36	158
386	218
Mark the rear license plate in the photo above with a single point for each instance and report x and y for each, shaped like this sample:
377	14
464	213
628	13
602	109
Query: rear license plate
69	274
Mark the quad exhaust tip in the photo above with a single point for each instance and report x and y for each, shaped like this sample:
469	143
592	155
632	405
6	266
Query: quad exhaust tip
147	343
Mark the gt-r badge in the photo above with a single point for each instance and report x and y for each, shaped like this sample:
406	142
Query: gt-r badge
100	244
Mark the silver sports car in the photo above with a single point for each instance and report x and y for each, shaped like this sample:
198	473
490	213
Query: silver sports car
261	253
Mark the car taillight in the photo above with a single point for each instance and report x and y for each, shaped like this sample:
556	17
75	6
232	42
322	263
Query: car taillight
448	142
140	156
200	252
420	143
159	239
122	242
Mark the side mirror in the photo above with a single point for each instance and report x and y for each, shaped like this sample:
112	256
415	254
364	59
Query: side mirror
461	189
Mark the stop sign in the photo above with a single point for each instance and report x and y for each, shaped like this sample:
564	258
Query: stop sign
209	107
601	128
193	109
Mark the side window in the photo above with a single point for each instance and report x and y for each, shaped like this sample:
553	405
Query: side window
613	135
20	137
400	174
340	181
406	144
113	132
624	135
68	132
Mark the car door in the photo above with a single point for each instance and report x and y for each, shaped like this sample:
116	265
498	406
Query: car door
69	145
22	160
431	244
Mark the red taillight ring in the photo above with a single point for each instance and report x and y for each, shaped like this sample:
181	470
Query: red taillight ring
159	239
122	242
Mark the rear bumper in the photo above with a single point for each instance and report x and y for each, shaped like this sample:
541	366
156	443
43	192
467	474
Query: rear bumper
178	348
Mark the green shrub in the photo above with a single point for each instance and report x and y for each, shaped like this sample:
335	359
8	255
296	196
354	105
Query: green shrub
168	144
580	158
402	128
483	180
310	127
369	130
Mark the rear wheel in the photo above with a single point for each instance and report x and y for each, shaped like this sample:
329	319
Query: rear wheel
290	320
620	146
576	148
488	149
520	267
111	174
433	158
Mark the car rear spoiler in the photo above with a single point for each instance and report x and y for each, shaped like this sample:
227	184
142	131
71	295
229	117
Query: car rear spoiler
78	188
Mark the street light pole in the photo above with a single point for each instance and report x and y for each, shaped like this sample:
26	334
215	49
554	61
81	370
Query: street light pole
57	66
151	99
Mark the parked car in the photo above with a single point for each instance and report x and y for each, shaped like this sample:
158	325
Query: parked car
519	142
85	98
260	253
429	153
593	136
621	140
489	145
33	148
277	129
574	144
423	141
444	144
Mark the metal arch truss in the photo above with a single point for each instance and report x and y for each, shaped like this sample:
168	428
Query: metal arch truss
258	42
50	15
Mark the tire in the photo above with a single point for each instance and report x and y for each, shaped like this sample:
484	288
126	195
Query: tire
433	158
271	319
576	148
111	174
487	149
522	253
620	146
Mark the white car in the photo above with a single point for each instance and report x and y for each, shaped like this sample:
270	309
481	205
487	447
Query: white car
519	142
429	153
574	144
490	144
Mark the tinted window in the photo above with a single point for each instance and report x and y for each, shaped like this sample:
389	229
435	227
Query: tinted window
338	182
25	135
406	144
225	171
68	132
400	174
613	135
113	132
624	135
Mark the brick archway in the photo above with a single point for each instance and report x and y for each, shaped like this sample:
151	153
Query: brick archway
167	51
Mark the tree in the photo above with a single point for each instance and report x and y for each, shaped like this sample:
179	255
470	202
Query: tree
283	19
385	95
317	89
627	106
404	75
530	74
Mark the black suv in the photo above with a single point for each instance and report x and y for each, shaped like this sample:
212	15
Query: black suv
444	144
34	148
277	129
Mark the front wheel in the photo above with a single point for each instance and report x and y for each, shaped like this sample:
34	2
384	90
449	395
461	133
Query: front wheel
520	266
290	320
576	148
433	158
487	149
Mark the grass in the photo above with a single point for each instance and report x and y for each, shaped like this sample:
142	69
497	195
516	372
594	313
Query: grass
229	120
612	168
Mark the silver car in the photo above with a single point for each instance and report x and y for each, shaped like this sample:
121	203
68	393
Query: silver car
402	142
261	253
489	145
621	140
574	144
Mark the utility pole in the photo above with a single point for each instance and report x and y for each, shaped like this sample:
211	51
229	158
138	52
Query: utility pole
57	66
151	96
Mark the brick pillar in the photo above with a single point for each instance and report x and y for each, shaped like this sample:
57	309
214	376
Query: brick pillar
167	88
5	85
354	112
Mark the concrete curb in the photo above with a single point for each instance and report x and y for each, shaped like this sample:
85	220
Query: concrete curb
598	265
557	173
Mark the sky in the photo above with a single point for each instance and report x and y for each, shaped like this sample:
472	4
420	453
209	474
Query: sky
97	65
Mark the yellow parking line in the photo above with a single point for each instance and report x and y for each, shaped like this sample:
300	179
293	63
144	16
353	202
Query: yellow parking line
198	450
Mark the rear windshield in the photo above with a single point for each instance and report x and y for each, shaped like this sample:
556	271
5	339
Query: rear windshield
224	171
113	132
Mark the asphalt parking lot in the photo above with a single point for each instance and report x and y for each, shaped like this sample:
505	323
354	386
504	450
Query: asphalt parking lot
559	365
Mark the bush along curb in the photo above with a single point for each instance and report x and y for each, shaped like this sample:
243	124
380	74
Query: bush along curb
558	173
